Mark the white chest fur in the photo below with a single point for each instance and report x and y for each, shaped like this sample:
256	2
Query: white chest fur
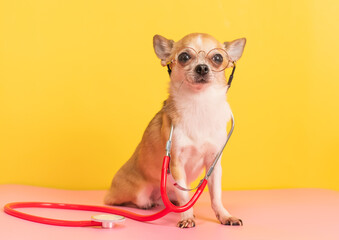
201	131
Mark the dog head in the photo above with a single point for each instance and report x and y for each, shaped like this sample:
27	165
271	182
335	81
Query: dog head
198	60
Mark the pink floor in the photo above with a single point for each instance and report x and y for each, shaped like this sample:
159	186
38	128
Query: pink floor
267	214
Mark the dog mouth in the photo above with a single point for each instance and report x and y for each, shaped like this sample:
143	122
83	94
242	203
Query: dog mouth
197	81
201	81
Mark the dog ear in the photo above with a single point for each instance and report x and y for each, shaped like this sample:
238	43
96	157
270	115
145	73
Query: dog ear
163	48
235	48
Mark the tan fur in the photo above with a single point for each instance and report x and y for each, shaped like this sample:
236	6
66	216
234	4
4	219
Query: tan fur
138	181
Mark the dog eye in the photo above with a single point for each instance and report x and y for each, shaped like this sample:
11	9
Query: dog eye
184	57
217	58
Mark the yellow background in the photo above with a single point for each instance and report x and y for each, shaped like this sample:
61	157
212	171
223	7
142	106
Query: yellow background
79	82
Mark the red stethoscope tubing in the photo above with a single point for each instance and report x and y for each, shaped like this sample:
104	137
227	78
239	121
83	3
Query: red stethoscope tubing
169	207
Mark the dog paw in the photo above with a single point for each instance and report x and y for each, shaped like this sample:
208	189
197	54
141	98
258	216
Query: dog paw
147	206
231	221
186	223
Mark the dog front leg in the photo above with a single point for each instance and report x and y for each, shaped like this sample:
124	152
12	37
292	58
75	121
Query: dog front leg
187	217
214	187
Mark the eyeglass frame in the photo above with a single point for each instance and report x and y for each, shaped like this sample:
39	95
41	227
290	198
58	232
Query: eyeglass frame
197	54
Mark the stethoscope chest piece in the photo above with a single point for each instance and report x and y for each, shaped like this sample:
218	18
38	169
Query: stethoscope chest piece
108	220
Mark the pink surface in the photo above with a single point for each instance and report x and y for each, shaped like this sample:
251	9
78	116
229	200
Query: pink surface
267	214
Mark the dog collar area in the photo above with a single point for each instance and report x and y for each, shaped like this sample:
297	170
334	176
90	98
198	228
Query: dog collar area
108	220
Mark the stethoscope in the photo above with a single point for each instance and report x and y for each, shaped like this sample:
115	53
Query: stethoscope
116	215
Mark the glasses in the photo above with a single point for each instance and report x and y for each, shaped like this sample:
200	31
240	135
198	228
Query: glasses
217	58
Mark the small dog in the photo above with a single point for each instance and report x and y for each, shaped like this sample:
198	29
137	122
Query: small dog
198	109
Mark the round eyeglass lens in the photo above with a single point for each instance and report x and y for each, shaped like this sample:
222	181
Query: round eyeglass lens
186	57
218	59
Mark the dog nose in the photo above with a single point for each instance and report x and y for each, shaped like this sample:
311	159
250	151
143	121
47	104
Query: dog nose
202	69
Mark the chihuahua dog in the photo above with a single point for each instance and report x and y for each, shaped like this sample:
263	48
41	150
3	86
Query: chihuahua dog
199	112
